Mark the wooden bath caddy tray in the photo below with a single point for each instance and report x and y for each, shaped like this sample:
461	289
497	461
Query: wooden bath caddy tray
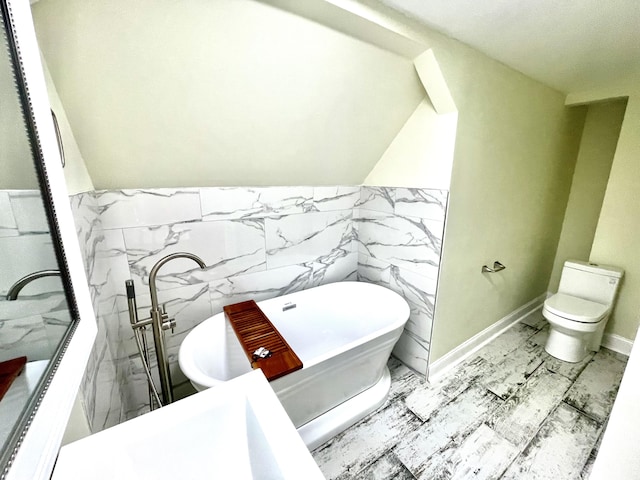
9	370
254	330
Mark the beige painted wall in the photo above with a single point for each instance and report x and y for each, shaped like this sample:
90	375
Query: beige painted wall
617	238
16	160
421	155
230	92
514	158
75	170
515	151
597	148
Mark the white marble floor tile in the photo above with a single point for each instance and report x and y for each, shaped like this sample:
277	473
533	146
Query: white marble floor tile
514	370
594	391
586	471
464	375
458	418
403	380
506	343
425	403
520	417
457	427
569	370
386	467
540	337
357	447
535	319
566	369
559	450
482	455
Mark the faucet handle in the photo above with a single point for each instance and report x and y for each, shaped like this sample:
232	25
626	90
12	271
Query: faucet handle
166	322
169	323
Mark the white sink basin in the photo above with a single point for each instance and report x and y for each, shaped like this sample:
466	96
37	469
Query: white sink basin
238	430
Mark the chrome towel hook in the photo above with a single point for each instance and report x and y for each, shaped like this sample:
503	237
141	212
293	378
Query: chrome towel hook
497	267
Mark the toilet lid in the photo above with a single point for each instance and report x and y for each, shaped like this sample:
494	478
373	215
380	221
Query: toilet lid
574	308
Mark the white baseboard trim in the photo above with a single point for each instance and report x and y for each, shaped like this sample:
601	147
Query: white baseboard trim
617	343
464	350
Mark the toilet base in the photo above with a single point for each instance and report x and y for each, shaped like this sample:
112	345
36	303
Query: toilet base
570	348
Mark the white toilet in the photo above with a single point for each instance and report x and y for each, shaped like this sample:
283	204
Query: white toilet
578	313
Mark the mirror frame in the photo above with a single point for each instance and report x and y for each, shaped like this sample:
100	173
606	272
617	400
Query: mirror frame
35	446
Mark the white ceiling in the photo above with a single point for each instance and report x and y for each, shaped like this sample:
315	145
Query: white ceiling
570	45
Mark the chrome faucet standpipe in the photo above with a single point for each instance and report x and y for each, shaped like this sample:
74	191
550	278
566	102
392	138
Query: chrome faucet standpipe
160	322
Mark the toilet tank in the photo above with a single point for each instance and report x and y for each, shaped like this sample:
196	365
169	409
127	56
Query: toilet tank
590	281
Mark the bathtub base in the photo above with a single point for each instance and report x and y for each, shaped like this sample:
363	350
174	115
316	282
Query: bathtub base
338	419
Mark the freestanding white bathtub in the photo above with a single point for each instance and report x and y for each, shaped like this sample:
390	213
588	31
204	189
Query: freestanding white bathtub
343	333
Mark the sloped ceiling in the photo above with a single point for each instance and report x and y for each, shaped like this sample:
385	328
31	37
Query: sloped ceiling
162	93
570	45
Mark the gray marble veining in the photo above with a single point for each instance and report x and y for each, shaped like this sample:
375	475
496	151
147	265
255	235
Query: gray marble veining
408	242
399	235
335	198
422	203
145	208
379	199
297	239
226	203
8	227
102	394
26	336
24	234
229	247
258	243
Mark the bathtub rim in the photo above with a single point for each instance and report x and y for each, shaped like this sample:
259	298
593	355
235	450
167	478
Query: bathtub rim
198	378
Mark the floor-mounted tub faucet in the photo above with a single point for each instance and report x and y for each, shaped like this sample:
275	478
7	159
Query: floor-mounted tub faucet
160	322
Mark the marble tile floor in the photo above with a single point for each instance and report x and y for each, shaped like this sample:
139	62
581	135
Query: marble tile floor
511	411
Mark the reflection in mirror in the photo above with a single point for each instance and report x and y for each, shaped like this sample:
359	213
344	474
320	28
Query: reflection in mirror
34	314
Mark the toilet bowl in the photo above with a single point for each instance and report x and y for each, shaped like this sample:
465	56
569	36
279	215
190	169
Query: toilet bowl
578	313
576	324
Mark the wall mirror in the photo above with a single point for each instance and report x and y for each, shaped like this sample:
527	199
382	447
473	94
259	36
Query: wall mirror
38	312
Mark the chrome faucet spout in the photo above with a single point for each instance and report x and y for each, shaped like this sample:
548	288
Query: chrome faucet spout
154	271
160	322
13	292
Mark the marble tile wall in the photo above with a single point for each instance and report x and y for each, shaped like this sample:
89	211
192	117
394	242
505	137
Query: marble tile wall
399	236
24	234
101	388
258	243
34	323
